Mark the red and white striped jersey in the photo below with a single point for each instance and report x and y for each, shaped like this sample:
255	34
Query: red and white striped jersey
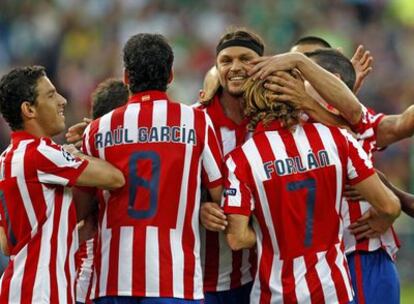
41	220
366	134
223	268
149	238
292	183
84	267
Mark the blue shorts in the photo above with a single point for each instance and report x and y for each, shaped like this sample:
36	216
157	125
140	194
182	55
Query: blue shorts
240	295
374	277
144	300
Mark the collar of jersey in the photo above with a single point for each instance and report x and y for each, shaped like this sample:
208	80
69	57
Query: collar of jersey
147	96
18	136
216	112
274	125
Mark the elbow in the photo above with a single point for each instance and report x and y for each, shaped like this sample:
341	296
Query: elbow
234	241
117	180
393	208
354	115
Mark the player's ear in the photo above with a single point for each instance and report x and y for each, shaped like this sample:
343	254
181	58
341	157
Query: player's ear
27	109
126	77
171	77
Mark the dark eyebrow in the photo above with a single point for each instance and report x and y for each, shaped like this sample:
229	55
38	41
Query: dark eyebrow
51	91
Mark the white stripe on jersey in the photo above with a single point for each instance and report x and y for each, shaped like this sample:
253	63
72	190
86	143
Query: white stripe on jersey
339	261
2	157
48	178
17	170
256	289
62	245
228	139
209	164
104	126
86	140
131	120
152	261
42	281
255	161
55	156
325	277
126	239
330	146
276	276
159	114
235	184
106	236
187	118
302	289
19	264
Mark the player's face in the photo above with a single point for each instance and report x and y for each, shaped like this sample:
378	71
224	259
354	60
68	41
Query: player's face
233	63
306	48
49	106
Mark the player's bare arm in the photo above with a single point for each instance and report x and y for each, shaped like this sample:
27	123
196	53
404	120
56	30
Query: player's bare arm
212	216
393	128
239	233
4	246
362	61
406	199
386	208
331	88
288	87
98	173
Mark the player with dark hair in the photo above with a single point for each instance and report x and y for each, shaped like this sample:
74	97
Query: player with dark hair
228	274
148	246
309	44
283	190
109	94
36	199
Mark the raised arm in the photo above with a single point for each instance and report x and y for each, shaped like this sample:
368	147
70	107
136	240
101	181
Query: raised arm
393	128
330	88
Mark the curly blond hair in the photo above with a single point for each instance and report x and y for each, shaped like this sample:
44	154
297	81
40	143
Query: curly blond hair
260	107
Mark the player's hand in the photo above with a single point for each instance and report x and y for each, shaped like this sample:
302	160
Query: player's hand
87	228
371	224
212	217
350	193
210	86
75	132
264	66
362	62
286	87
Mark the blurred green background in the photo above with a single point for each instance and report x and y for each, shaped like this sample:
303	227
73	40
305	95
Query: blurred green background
80	43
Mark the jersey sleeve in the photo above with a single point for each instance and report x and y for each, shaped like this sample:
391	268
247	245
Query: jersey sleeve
359	166
212	159
366	129
238	198
55	165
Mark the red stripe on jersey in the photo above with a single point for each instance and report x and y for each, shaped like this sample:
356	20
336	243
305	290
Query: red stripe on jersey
54	295
312	278
5	282
359	279
211	262
340	287
30	272
288	282
236	264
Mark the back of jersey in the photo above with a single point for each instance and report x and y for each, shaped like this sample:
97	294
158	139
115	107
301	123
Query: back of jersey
292	182
149	229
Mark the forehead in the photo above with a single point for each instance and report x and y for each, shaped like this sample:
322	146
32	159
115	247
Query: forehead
237	51
44	85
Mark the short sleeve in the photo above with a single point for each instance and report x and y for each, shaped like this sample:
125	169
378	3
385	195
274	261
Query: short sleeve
55	165
238	197
359	166
212	161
